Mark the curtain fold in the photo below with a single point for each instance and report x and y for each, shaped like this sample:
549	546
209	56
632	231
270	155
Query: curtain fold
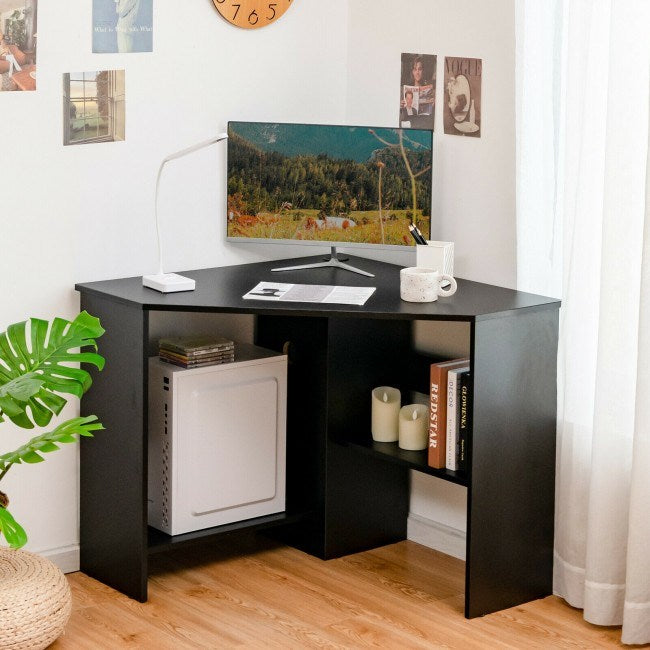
636	612
585	169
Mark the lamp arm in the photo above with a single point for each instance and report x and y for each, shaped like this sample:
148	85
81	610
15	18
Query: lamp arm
173	156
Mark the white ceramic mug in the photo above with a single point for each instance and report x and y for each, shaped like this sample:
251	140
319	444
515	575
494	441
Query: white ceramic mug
423	285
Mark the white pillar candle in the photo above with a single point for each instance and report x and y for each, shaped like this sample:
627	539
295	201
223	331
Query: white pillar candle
385	413
413	427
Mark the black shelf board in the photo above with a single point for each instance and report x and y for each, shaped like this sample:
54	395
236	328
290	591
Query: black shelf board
160	542
416	460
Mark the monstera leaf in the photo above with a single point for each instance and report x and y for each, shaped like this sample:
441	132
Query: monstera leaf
14	533
34	358
47	442
31	452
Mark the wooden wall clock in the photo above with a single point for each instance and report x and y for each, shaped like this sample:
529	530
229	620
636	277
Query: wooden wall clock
251	14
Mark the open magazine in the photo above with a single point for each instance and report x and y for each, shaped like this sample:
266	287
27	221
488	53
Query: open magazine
323	293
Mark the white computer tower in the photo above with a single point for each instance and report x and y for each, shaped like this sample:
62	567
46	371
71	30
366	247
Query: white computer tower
217	441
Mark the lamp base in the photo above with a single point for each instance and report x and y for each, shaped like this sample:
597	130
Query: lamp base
168	282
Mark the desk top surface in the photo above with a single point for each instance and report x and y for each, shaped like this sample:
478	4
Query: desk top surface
221	290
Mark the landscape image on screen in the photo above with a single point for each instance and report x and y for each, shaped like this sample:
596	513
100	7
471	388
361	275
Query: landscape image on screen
328	183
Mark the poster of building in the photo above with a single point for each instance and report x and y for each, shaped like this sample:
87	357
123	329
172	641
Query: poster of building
122	26
462	110
18	44
417	91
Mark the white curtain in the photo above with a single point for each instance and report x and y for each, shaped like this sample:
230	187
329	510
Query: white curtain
583	85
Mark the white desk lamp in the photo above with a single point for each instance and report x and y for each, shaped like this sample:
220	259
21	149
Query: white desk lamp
171	282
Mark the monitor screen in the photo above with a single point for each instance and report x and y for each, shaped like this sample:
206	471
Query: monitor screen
316	184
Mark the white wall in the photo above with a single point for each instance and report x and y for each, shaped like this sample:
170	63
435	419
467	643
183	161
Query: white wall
85	212
474	179
82	213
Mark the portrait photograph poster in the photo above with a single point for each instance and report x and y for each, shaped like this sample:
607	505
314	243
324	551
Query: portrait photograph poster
18	44
417	91
462	110
122	26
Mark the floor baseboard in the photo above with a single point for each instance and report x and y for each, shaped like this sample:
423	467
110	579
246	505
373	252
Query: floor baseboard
427	532
65	557
437	536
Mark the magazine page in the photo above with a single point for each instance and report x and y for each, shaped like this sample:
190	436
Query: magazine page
417	91
462	114
320	293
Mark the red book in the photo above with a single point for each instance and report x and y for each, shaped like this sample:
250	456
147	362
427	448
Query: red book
438	411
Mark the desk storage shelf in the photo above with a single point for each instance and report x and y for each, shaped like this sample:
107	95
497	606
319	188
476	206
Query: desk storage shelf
159	542
416	460
345	493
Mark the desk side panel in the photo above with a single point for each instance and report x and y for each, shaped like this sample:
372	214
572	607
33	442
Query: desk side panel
512	457
113	471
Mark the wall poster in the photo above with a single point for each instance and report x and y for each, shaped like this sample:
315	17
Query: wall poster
122	26
18	44
462	110
94	107
418	91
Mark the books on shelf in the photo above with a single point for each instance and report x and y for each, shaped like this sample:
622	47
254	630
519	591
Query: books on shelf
196	351
438	410
453	415
464	426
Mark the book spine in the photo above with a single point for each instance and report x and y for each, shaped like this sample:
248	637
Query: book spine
453	404
465	419
436	456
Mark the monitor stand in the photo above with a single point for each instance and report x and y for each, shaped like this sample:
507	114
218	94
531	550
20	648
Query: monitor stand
333	260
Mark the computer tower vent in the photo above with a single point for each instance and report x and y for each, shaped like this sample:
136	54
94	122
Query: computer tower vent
165	483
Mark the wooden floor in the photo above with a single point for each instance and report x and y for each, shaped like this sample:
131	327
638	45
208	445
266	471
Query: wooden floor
254	593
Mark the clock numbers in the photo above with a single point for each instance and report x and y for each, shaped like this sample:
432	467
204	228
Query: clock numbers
250	14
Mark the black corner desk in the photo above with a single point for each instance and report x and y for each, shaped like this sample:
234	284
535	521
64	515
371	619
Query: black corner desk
344	492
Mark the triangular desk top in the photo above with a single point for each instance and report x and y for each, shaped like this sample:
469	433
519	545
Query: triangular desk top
221	289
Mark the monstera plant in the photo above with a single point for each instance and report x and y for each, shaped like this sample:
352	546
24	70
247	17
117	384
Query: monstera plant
40	361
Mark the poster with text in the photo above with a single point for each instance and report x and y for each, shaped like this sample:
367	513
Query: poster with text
462	110
18	45
417	91
122	26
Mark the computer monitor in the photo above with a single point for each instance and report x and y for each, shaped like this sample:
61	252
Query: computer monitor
309	184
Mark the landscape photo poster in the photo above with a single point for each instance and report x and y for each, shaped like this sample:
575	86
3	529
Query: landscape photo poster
18	45
462	110
122	26
417	91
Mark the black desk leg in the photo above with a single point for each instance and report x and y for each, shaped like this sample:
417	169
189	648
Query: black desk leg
511	484
113	482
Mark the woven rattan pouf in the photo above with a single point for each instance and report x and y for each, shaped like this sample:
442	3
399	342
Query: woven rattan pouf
35	600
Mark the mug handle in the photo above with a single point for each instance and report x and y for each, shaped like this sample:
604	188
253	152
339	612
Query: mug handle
452	289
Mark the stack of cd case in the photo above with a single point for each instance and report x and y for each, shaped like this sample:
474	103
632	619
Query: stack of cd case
196	351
